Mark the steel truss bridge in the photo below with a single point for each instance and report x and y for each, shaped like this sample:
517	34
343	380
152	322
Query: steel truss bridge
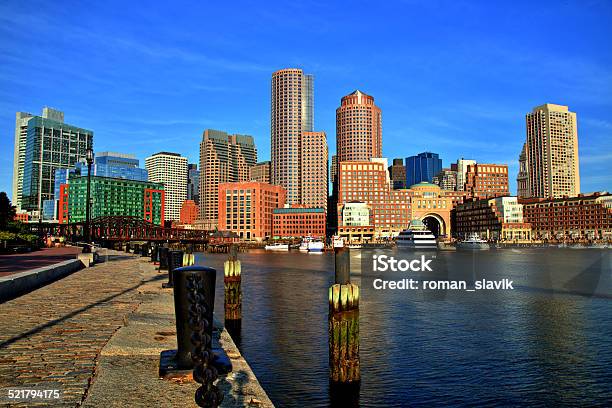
115	228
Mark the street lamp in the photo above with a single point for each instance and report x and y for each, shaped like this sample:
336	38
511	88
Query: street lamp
89	158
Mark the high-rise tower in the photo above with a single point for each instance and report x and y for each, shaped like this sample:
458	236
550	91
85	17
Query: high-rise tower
358	128
171	170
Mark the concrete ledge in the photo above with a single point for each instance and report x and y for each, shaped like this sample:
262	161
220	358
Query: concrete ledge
15	285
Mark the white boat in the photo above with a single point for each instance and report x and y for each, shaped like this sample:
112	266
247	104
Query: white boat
355	246
473	242
416	236
338	241
310	244
277	247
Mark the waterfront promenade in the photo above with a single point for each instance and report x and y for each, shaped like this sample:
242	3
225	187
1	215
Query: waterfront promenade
13	263
97	335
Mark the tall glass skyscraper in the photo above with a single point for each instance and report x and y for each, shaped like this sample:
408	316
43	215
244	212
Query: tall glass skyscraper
115	165
422	167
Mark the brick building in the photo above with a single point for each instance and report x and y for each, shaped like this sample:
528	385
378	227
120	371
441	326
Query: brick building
189	212
487	180
298	221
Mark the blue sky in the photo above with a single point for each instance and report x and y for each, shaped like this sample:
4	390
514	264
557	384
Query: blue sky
453	77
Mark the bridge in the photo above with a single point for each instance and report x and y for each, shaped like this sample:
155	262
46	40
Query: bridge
119	228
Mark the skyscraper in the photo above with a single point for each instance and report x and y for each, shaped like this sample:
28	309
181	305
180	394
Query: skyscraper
521	178
314	176
193	183
170	169
224	158
115	165
358	128
292	113
422	167
43	144
462	167
551	152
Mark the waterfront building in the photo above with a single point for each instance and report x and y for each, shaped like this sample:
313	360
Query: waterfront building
497	219
189	212
462	168
422	167
447	178
357	234
358	128
432	205
261	172
579	218
43	144
246	208
551	152
193	183
314	176
369	182
292	113
356	214
111	197
224	158
170	169
298	221
487	180
397	172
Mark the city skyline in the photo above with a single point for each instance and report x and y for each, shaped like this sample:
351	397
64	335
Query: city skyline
144	110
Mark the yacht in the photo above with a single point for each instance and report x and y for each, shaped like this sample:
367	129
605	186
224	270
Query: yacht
416	236
473	242
310	244
277	247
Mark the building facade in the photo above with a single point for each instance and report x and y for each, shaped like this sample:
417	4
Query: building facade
522	179
397	172
422	167
170	169
189	213
115	165
111	197
193	183
224	158
585	217
298	221
462	168
356	214
358	128
497	219
43	144
487	180
432	205
261	172
292	112
246	208
314	171
446	179
551	151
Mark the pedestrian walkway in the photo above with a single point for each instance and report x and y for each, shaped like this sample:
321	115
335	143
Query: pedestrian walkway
13	263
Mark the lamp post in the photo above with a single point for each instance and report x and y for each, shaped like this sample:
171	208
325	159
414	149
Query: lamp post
89	157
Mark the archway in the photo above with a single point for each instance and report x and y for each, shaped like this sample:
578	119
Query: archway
435	224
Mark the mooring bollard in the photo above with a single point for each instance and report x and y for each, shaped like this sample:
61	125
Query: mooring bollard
144	249
163	258
343	324
155	254
232	283
127	247
175	260
194	299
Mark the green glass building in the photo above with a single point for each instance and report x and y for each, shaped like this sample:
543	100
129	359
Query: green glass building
113	197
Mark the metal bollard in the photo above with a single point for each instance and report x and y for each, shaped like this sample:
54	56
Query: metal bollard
136	249
144	249
163	258
127	247
194	299
155	254
175	260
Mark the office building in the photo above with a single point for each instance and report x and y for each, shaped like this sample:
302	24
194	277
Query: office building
358	128
261	172
224	158
496	219
246	208
397	172
422	167
462	168
193	183
170	169
43	144
189	213
298	221
356	214
447	179
292	113
487	180
111	197
551	152
314	171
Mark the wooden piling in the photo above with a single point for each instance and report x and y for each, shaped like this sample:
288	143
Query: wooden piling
343	325
233	286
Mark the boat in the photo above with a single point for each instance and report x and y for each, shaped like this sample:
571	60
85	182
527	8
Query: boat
473	242
310	244
355	246
338	242
416	236
277	247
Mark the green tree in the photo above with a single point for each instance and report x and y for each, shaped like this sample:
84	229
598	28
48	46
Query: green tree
7	210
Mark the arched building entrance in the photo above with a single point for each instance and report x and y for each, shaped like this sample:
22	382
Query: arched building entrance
435	224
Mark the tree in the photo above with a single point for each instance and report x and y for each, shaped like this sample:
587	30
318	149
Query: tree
7	210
